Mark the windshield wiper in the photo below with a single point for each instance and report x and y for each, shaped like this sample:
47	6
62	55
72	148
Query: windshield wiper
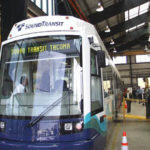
42	115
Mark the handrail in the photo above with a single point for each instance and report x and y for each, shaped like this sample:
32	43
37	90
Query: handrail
124	110
133	116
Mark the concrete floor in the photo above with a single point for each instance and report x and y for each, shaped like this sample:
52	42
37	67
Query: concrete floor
138	109
138	132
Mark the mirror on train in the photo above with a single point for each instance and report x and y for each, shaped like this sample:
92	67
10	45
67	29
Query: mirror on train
91	40
101	59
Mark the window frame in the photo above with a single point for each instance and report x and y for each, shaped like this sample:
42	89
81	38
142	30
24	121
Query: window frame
120	63
100	109
139	60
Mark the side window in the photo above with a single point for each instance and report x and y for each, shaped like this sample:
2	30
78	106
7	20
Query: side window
96	86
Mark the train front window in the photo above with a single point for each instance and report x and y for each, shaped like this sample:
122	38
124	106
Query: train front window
40	73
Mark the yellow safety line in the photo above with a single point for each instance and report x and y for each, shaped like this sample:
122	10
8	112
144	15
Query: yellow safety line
133	116
124	110
136	100
136	117
117	129
109	117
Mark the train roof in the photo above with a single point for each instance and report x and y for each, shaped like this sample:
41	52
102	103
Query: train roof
50	24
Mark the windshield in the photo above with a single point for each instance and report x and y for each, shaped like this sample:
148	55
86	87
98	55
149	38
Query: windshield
37	72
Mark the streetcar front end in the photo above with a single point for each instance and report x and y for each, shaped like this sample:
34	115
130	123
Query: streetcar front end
50	96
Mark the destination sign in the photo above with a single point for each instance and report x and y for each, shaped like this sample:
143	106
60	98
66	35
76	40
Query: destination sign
18	51
61	46
37	49
56	47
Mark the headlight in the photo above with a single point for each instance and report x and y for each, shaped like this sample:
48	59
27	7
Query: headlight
68	126
79	126
2	125
71	127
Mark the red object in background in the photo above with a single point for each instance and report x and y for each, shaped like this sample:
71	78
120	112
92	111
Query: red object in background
125	92
125	106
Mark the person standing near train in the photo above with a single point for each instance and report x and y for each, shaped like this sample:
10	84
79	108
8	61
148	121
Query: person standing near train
139	94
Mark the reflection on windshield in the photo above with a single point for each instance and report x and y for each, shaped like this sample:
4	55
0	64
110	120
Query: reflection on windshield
30	86
48	109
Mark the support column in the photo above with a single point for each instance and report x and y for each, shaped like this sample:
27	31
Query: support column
131	77
62	7
12	12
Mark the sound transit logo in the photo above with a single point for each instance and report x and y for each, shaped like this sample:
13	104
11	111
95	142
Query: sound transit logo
40	24
19	27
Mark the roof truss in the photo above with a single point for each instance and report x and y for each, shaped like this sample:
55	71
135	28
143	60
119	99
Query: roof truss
115	9
126	25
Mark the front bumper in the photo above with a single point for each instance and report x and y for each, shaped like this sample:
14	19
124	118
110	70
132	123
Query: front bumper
80	145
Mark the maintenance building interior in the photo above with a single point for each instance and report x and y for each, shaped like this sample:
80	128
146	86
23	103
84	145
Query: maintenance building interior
124	27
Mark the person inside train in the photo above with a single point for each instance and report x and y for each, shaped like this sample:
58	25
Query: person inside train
22	87
61	85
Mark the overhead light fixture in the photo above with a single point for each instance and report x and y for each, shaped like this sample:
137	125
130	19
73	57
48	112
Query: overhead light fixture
112	42
149	38
107	29
99	7
115	51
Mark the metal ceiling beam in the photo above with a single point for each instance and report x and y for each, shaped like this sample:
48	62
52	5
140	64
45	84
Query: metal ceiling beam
126	25
115	9
131	36
86	5
33	10
128	45
130	53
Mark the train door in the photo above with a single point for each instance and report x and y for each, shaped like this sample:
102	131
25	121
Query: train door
115	95
96	86
97	122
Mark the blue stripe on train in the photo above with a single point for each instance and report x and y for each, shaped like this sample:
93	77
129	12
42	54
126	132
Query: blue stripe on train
45	135
97	143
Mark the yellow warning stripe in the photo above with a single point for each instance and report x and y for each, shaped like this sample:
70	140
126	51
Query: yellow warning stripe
109	117
136	117
136	100
116	133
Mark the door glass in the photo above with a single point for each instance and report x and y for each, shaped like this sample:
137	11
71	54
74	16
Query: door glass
96	86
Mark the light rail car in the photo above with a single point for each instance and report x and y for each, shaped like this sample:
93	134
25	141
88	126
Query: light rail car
52	92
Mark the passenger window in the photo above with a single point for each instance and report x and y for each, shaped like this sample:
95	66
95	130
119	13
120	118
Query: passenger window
96	86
